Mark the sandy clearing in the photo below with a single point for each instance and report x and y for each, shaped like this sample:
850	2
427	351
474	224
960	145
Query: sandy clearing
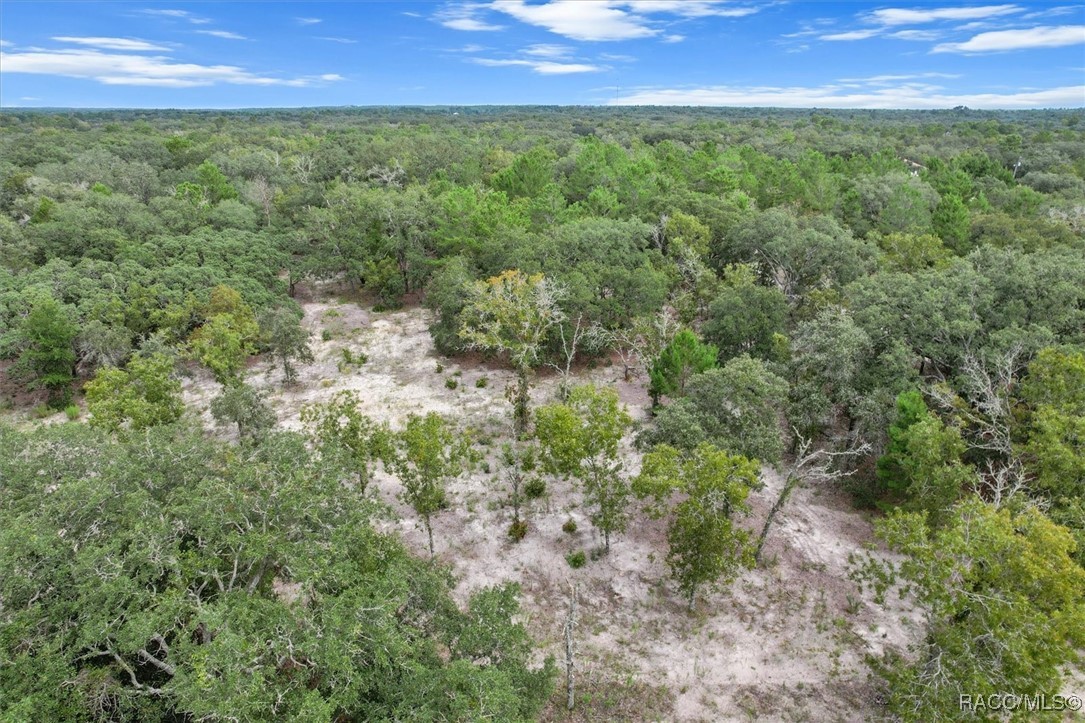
785	642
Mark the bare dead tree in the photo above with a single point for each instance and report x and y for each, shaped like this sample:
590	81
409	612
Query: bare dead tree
998	483
986	408
571	343
621	341
261	192
783	275
654	333
986	413
659	233
388	176
637	345
303	166
809	466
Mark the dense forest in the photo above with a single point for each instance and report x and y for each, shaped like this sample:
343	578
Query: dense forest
888	305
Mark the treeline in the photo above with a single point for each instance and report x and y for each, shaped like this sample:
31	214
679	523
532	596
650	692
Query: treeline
904	291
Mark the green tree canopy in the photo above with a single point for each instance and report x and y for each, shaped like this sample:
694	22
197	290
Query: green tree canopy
245	407
676	364
164	578
1003	602
47	358
746	318
143	394
705	489
426	455
340	432
736	408
285	339
581	439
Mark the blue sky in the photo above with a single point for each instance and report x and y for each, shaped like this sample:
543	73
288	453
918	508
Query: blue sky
676	52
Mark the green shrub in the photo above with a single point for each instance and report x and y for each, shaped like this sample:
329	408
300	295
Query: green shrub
72	411
349	360
451	383
517	530
481	382
570	526
440	368
535	488
326	335
576	559
42	411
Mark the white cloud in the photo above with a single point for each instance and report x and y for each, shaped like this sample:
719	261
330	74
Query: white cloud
851	35
546	50
465	17
331	77
140	70
471	24
890	79
674	38
690	8
542	67
902	16
331	39
1052	36
411	15
133	44
579	20
1053	12
593	20
919	96
225	34
308	21
180	15
6	44
618	58
923	35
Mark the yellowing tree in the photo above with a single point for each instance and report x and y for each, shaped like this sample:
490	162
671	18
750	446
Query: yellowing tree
511	314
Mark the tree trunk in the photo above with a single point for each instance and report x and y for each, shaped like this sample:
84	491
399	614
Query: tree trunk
429	533
520	403
516	496
789	485
570	652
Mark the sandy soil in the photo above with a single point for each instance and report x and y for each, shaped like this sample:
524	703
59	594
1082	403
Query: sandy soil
785	642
